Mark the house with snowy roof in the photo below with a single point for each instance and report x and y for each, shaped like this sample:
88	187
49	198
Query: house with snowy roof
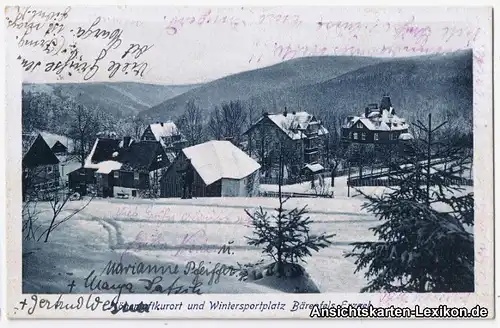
220	170
122	167
59	144
40	165
379	124
303	133
168	135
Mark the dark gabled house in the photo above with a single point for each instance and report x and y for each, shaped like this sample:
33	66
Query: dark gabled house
59	149
123	167
40	165
169	136
379	124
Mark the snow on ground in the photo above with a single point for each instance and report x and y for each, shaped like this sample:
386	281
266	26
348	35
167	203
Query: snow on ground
67	164
170	232
174	231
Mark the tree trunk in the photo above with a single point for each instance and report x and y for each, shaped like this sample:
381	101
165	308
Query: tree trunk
428	173
82	151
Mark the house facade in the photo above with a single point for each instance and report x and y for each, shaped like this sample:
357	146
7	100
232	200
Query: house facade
298	136
40	165
125	167
220	170
168	135
379	124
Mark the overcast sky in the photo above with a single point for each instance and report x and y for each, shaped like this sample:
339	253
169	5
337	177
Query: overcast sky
248	38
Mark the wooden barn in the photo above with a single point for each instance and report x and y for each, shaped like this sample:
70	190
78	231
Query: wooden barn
125	167
379	124
81	180
220	170
40	165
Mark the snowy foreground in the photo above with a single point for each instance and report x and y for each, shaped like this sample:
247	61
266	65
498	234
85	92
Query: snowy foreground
115	243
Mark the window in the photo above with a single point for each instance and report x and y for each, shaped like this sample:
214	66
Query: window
363	136
136	175
49	169
359	125
159	158
355	136
116	174
375	136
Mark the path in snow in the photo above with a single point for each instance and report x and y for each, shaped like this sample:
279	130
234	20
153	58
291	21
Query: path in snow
173	232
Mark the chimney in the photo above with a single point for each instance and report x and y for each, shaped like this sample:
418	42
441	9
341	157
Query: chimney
285	112
294	112
385	103
126	141
367	111
161	123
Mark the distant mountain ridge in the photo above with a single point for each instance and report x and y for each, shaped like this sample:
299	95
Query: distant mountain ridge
340	86
118	98
244	85
440	84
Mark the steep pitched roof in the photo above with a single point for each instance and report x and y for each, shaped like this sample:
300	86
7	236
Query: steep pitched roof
138	155
294	124
166	129
379	122
216	159
51	139
35	151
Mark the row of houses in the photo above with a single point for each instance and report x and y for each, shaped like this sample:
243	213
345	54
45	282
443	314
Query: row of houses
152	165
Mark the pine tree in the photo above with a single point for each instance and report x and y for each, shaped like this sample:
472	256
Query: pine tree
285	236
424	241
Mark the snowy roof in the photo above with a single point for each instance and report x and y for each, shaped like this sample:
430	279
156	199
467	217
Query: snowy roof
294	124
107	166
138	155
51	139
405	136
387	121
217	159
315	167
166	129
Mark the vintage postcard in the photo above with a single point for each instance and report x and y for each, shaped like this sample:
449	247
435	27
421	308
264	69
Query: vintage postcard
249	162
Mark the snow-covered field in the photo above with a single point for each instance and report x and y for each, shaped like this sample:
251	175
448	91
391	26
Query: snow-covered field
173	232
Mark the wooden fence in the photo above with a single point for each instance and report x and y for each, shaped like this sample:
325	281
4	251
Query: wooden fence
275	194
379	182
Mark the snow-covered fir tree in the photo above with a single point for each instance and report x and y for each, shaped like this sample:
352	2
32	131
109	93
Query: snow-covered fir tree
425	241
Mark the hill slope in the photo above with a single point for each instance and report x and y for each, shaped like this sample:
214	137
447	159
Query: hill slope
120	98
290	74
439	84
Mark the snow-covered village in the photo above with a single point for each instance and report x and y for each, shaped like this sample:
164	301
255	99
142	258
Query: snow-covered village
355	176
